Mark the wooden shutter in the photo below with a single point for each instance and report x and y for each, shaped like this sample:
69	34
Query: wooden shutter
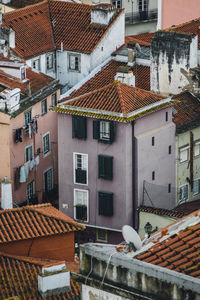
106	204
79	127
112	132
81	176
96	129
105	167
73	127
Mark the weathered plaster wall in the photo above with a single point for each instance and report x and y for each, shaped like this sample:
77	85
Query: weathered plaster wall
182	169
170	53
121	185
5	146
155	158
90	293
46	123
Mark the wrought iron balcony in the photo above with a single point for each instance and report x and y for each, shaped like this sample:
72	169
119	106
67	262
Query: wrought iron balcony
135	17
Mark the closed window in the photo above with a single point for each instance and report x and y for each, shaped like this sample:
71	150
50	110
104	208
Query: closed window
196	187
102	235
44	107
30	190
103	131
36	64
183	193
80	168
166	116
106	204
49	61
79	127
153	141
74	62
28	153
153	175
117	3
197	148
170	149
27	117
81	208
46	144
183	154
48	180
54	99
105	167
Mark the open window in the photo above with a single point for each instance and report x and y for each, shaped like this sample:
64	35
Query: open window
80	168
103	131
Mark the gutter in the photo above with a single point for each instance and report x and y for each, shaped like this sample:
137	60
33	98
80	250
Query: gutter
133	175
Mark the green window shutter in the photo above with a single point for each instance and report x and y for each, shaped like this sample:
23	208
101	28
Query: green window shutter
112	132
79	127
105	167
96	129
106	204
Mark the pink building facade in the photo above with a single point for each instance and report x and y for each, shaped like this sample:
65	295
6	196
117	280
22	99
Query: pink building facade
172	12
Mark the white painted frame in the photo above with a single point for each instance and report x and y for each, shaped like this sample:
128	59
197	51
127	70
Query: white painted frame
43	136
74	168
84	191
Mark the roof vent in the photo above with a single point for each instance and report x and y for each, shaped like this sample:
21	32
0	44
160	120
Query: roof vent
54	280
102	14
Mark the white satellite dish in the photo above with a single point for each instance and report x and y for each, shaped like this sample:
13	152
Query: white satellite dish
131	237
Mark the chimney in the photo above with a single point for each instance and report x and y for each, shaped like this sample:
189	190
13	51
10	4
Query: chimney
131	46
6	194
11	38
125	75
102	14
54	280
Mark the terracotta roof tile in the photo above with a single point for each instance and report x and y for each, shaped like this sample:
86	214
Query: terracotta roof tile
186	106
19	277
38	26
162	212
107	76
143	39
36	221
118	98
179	252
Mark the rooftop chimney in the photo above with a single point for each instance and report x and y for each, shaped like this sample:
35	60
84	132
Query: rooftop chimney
6	194
131	46
125	75
102	14
54	280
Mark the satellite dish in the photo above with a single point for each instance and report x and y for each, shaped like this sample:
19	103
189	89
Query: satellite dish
131	237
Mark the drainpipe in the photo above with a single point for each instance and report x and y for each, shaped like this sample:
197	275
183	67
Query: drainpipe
133	175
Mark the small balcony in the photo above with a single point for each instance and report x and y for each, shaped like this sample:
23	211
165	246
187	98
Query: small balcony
135	17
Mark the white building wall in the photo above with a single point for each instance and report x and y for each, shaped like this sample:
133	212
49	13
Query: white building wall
90	293
43	67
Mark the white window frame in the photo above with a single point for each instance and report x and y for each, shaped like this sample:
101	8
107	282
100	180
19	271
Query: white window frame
99	239
84	165
27	117
186	199
182	149
37	62
87	203
42	107
52	182
117	3
104	133
51	66
143	5
198	184
28	189
197	145
43	144
72	65
25	148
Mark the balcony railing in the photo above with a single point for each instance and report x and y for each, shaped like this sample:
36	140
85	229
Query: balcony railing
134	17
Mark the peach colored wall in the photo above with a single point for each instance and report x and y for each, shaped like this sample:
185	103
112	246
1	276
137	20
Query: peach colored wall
59	247
179	11
46	123
4	145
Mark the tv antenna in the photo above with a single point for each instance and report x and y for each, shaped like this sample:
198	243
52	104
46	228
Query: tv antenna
131	238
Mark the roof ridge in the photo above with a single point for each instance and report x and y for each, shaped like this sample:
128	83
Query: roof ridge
120	93
25	258
26	207
183	24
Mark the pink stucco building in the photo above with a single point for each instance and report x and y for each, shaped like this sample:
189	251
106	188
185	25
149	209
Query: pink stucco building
25	99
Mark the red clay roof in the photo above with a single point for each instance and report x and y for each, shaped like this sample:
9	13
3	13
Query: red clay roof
187	108
19	277
33	32
178	247
163	212
33	222
114	101
143	39
37	26
107	75
37	81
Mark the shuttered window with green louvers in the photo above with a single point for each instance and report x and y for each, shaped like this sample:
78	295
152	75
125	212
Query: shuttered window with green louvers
106	204
104	131
105	167
79	127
